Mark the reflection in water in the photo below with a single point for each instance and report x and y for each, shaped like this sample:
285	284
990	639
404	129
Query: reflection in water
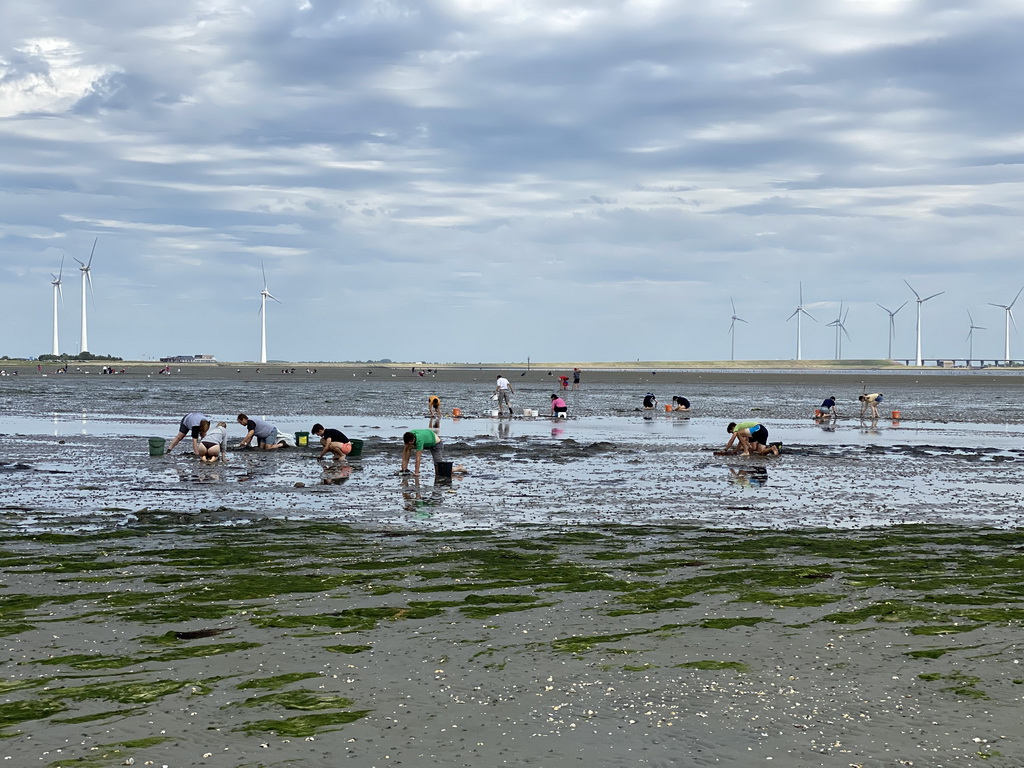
416	500
752	477
336	474
557	431
869	427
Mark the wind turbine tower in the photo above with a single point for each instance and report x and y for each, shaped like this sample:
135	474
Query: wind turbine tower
892	324
57	294
732	329
970	337
264	295
797	313
920	301
1008	308
840	325
86	278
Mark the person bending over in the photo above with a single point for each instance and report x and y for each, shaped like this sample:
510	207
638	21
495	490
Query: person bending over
414	441
870	401
680	404
752	437
434	403
214	441
333	441
189	423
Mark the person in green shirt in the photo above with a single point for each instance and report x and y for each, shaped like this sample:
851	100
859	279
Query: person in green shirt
751	435
416	440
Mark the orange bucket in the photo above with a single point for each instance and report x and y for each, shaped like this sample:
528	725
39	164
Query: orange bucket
668	408
895	414
456	412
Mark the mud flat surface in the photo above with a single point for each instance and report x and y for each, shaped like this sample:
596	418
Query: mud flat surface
280	643
599	591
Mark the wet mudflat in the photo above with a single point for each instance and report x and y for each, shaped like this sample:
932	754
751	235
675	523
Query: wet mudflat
617	645
603	590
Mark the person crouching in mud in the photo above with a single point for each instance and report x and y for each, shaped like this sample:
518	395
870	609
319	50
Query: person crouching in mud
751	436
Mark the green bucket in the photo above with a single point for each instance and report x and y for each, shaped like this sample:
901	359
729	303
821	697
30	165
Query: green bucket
302	439
357	448
156	446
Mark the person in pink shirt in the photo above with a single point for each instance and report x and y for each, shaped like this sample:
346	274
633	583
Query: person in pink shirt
558	407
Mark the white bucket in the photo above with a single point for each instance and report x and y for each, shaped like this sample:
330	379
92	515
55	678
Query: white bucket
529	412
494	412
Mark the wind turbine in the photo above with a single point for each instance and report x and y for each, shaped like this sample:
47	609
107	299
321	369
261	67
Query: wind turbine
57	294
840	325
918	362
797	313
264	295
892	324
1008	308
86	278
970	336
732	328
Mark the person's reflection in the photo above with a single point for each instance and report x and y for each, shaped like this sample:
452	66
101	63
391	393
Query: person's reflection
415	500
336	474
752	477
435	424
869	427
504	429
557	431
827	424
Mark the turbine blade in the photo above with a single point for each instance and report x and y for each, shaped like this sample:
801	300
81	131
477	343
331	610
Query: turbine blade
1015	298
912	289
879	305
901	306
60	294
795	313
93	250
1001	306
272	296
970	318
846	332
932	296
733	305
264	271
60	272
741	319
1012	321
809	314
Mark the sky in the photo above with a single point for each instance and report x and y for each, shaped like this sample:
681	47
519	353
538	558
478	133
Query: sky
497	180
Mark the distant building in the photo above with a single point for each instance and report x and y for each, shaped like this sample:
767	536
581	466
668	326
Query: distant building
188	359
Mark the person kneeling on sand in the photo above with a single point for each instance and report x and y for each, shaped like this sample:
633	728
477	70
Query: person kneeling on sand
266	434
650	401
415	440
680	404
751	435
828	407
333	440
214	442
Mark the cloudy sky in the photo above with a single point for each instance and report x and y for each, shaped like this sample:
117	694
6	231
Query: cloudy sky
491	180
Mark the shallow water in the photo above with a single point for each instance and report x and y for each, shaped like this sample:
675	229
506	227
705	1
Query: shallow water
74	455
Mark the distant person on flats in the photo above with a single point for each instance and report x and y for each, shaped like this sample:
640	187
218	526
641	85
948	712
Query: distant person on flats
575	378
870	401
650	401
434	403
214	441
751	436
680	404
267	437
563	382
828	406
333	440
416	440
504	392
189	423
558	408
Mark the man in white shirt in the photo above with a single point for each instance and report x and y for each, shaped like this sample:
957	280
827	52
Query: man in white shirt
504	392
